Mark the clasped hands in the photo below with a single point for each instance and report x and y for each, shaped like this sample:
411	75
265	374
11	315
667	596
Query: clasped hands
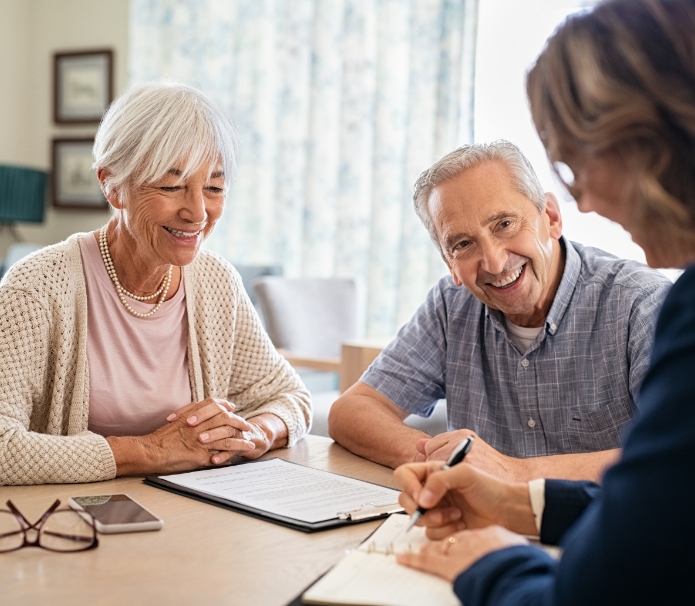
473	512
208	432
216	428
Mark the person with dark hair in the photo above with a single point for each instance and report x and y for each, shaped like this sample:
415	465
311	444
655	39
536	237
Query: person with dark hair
613	98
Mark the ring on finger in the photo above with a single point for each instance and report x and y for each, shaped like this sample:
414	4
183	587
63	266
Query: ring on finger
448	543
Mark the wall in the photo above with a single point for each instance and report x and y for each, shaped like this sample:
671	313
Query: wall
30	32
16	63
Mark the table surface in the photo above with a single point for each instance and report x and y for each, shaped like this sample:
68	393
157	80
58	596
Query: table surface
203	555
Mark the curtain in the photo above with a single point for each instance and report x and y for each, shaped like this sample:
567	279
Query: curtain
340	104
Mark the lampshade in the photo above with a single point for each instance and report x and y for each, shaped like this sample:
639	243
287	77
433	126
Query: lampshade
22	194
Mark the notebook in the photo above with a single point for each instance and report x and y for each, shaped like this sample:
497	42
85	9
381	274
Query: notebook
370	575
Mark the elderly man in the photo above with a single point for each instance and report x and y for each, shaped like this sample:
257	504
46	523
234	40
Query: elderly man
538	344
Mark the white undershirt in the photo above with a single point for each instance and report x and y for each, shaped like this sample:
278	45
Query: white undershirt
521	336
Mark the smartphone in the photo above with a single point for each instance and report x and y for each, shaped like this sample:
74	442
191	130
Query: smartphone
116	513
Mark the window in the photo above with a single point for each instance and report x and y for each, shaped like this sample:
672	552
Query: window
511	34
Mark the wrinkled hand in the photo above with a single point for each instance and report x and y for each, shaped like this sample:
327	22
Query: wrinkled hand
222	433
450	557
483	456
463	497
179	445
261	435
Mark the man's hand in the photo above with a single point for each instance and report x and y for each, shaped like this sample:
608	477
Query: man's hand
483	456
576	466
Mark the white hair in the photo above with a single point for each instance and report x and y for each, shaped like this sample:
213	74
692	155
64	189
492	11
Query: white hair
524	178
156	126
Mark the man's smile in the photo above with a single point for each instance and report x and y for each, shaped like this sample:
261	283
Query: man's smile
508	280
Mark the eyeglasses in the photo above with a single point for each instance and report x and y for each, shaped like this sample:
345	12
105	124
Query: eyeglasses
57	530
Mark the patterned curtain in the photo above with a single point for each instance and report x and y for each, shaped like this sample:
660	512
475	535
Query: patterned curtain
340	104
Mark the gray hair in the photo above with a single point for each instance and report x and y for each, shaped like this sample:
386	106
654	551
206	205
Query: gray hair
155	126
524	178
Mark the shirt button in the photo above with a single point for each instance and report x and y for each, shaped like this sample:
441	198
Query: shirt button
524	362
553	327
531	423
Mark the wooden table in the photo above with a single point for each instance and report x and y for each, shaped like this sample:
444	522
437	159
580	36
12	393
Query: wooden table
204	554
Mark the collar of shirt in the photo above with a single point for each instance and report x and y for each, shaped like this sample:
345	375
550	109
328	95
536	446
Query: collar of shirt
573	265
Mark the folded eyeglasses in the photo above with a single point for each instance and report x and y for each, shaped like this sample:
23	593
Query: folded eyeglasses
62	530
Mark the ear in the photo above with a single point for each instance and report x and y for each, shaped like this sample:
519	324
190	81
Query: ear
457	281
451	269
112	194
552	209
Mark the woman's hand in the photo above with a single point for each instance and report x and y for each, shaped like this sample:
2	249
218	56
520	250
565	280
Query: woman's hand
197	435
450	557
267	433
185	442
463	497
220	430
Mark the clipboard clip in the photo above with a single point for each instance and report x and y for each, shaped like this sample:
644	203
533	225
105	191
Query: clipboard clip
369	510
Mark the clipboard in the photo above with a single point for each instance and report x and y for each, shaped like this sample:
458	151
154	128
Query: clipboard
354	514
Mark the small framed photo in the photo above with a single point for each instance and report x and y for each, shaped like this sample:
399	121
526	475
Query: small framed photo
82	86
74	183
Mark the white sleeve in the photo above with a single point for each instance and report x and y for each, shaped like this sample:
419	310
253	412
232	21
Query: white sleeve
536	491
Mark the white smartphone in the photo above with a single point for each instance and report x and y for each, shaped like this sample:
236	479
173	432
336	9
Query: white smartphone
116	513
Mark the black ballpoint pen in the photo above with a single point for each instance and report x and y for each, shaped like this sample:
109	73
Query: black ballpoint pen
459	453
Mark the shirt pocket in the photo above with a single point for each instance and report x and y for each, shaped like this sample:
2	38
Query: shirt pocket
599	429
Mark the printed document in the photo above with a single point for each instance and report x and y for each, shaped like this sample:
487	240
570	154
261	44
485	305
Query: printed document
287	489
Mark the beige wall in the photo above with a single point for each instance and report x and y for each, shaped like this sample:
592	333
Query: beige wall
30	32
16	61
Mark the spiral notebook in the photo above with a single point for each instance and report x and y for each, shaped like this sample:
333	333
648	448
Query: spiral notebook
370	575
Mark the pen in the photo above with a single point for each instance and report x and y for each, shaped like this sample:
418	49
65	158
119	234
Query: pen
459	453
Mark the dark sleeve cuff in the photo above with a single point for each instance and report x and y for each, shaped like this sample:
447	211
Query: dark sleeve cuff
508	577
565	502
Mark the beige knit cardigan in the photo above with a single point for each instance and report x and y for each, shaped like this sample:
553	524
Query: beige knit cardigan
44	375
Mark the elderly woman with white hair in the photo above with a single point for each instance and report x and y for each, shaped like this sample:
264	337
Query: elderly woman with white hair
130	350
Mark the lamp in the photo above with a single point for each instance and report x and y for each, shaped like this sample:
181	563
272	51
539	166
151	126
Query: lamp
22	196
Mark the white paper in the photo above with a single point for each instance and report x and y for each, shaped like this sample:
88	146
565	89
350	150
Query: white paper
287	489
370	575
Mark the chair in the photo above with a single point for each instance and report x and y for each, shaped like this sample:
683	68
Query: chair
249	273
308	319
313	323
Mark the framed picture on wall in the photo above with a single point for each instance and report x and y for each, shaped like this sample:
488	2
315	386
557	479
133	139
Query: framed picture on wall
74	183
82	86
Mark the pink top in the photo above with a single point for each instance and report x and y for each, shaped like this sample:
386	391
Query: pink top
138	367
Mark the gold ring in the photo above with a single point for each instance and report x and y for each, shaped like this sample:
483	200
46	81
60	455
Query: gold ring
449	542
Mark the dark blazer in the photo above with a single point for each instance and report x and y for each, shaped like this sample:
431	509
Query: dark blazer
565	502
635	542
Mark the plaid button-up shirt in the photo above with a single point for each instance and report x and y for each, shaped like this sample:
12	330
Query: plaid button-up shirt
573	390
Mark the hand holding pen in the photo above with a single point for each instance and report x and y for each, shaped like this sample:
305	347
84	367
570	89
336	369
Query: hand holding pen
457	456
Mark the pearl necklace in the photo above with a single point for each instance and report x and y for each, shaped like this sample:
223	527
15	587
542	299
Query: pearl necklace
122	292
